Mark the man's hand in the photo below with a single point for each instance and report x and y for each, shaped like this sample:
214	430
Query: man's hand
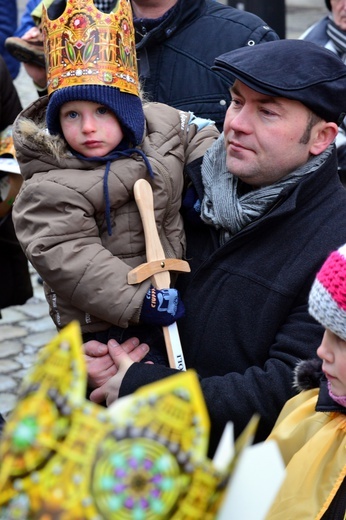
100	364
36	73
121	357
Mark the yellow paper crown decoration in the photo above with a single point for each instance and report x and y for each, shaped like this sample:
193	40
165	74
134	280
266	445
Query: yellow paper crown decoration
84	46
143	458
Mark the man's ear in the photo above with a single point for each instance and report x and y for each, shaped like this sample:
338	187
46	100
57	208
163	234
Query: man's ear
322	135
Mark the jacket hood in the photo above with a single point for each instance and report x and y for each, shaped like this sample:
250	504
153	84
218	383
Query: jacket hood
37	150
307	374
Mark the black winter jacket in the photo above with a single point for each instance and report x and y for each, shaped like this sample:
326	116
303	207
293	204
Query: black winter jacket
247	320
175	58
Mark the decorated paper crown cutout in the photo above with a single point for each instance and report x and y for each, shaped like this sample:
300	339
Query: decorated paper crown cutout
84	46
143	458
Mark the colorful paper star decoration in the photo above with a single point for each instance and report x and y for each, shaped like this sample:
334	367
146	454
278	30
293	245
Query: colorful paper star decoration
143	458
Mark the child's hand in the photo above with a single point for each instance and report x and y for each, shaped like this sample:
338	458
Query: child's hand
100	365
122	361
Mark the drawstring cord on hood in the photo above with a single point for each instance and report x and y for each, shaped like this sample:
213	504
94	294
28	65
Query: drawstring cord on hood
109	158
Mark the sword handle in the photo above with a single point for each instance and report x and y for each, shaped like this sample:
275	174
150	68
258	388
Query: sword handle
154	250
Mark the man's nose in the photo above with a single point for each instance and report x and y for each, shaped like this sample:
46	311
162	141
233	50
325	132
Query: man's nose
239	121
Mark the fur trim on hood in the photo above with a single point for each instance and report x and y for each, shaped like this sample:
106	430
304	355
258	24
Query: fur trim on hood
39	138
36	150
307	374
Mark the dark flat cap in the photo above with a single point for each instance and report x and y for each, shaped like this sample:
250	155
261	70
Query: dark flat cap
294	69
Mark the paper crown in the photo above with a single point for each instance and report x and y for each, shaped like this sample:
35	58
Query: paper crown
143	458
84	46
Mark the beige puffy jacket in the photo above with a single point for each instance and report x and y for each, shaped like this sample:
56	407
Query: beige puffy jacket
60	221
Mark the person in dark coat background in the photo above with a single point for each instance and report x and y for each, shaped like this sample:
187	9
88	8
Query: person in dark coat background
330	32
177	42
272	208
16	286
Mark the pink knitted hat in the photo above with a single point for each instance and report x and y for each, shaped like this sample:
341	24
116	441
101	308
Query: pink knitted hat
327	300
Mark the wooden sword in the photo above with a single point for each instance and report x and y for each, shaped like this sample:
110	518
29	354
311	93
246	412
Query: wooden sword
157	267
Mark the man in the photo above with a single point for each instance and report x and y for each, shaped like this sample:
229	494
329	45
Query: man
330	32
177	42
273	208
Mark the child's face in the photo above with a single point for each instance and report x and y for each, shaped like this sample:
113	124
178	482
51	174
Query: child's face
332	351
90	129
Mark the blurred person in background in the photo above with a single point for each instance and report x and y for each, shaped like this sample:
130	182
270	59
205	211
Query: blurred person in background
330	32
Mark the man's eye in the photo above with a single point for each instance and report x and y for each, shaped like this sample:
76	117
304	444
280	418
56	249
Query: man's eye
268	113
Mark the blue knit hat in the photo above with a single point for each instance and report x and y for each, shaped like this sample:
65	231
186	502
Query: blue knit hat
127	107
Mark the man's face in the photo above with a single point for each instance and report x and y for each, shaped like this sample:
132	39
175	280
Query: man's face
263	136
339	13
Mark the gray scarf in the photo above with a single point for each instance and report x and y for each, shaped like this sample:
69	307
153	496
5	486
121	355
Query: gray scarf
228	212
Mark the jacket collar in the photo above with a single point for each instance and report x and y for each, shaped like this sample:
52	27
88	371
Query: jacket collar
325	403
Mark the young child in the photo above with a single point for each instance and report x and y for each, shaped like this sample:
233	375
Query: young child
311	429
76	217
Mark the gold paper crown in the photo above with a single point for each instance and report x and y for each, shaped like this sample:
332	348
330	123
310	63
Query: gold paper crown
84	46
143	458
